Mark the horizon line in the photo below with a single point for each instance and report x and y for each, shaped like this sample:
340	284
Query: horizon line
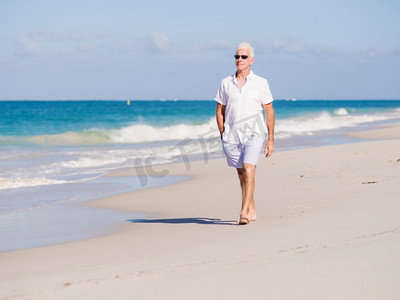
162	100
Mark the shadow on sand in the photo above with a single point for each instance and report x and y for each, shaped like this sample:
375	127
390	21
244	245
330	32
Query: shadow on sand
202	221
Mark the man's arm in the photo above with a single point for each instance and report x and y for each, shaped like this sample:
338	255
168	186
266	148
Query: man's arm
270	120
220	115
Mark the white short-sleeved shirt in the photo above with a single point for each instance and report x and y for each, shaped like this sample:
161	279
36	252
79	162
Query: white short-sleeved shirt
243	109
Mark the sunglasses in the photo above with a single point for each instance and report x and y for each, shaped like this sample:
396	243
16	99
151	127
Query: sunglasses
242	56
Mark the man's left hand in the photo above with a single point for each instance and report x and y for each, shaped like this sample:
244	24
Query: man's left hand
269	148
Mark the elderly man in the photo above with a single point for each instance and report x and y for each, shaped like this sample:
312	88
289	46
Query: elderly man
241	99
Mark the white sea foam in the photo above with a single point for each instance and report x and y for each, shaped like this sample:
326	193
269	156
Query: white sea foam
106	159
85	162
324	121
139	133
13	183
341	112
136	133
86	137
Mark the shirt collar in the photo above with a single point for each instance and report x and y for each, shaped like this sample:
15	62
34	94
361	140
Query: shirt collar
250	76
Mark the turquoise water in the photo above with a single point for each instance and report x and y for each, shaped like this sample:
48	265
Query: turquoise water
30	118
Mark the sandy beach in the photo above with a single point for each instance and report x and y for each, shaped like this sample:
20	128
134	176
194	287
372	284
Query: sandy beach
328	228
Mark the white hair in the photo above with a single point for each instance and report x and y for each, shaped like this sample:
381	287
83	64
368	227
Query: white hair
246	45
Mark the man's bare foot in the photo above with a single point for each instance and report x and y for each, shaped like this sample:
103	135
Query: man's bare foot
253	217
244	220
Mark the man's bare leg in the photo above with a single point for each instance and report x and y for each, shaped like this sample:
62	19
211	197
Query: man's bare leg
247	183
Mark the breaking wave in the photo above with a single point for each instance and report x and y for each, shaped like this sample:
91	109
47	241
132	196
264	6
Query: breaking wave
136	133
144	133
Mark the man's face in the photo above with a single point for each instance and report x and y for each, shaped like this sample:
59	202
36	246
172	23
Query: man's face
243	64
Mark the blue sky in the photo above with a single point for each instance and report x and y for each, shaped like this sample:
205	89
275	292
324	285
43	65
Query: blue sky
153	49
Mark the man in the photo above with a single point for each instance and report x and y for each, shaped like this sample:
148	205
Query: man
241	99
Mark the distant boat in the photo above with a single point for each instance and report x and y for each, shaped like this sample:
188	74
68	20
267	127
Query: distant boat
128	102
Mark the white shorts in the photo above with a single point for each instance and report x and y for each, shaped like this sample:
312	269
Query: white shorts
247	153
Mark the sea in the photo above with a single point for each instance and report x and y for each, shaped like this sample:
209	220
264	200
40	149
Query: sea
54	155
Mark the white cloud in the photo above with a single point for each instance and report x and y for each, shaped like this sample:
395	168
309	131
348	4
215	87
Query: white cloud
290	45
53	43
27	46
158	42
